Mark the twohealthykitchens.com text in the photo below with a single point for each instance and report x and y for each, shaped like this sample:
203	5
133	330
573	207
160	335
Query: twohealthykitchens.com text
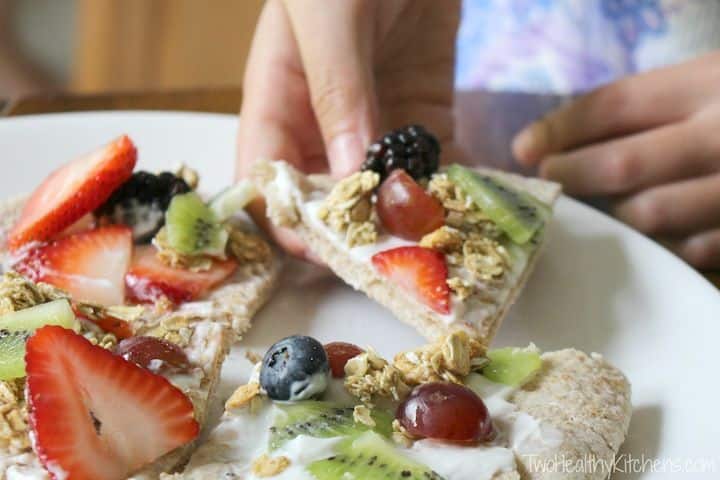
623	463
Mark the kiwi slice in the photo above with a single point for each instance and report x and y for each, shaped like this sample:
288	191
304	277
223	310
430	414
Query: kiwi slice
512	366
16	328
233	199
192	228
12	353
516	213
321	420
370	456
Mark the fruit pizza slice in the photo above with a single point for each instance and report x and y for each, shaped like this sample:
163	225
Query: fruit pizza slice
108	236
443	249
84	395
446	411
153	277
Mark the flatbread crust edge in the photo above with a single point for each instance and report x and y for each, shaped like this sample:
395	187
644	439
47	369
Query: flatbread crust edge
589	401
363	277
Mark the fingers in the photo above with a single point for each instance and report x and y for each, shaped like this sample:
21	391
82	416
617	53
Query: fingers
335	45
701	250
275	104
626	106
674	209
658	156
269	91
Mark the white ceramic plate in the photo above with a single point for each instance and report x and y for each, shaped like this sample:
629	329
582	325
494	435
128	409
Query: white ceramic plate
599	287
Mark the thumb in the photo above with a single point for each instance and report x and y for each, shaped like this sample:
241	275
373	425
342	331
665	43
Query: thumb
335	43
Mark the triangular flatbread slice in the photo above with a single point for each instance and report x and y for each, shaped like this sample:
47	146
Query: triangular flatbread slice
575	410
315	207
205	329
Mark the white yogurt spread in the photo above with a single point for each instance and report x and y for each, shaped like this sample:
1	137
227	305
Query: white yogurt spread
243	436
308	388
24	466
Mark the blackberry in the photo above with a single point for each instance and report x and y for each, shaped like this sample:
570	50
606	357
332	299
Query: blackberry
141	202
411	148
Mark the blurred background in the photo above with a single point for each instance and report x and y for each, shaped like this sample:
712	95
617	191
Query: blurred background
88	46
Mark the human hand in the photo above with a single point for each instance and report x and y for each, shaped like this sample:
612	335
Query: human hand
324	78
651	142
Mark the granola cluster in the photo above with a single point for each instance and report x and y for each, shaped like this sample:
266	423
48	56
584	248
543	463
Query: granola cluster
348	208
362	415
174	327
266	466
400	435
243	395
14	437
450	360
189	175
247	248
462	212
484	258
18	293
369	375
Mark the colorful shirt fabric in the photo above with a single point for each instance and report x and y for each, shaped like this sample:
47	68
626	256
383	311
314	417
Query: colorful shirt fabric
570	46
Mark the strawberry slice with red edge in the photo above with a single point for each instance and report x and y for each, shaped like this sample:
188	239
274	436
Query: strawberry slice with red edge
421	271
90	265
149	279
72	191
96	416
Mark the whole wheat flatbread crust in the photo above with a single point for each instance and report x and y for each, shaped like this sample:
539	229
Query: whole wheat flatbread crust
226	313
213	340
582	396
283	211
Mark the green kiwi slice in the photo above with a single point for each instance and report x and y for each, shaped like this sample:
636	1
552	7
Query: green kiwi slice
16	328
512	366
369	455
12	353
321	420
192	228
518	214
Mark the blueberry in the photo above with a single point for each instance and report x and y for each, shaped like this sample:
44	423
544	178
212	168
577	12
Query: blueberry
295	368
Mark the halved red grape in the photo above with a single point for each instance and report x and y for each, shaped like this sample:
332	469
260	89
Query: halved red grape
143	350
338	354
405	209
446	411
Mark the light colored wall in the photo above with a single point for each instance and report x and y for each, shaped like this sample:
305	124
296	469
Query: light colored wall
43	30
105	45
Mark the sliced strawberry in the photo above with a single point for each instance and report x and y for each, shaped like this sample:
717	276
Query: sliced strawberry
149	279
74	190
96	416
422	271
90	265
117	326
86	222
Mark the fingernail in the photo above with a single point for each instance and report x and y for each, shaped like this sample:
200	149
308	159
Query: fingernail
528	145
345	154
